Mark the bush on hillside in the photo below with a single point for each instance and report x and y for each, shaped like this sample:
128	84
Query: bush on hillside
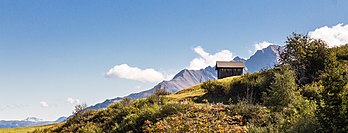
311	91
209	118
215	88
126	115
250	87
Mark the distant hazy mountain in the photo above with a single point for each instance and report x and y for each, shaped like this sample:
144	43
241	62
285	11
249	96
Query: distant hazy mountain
265	58
30	121
33	119
61	119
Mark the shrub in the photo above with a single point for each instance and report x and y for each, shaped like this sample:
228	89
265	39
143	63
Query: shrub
256	115
214	88
210	118
249	88
312	91
89	128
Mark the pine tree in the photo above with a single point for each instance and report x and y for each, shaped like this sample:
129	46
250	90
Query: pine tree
283	89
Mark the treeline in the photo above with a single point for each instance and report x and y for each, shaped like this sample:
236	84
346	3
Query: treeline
306	92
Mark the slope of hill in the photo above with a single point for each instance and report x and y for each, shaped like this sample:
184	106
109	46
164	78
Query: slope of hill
197	91
183	79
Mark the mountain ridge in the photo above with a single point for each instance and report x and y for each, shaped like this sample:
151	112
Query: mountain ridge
186	78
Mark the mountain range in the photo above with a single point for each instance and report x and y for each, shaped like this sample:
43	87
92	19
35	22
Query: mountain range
30	121
262	59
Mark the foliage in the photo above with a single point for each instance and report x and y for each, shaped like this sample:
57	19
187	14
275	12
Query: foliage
312	91
332	112
250	87
247	88
80	109
256	115
306	56
341	53
209	118
123	116
215	88
282	90
161	92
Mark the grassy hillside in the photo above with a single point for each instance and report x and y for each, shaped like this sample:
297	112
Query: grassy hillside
28	129
196	92
308	92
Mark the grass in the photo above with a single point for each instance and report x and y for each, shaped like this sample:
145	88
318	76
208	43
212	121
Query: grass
196	92
189	93
27	129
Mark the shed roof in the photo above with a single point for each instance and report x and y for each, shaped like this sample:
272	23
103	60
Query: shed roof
229	64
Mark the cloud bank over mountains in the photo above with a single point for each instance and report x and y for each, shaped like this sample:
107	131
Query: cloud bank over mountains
151	75
260	46
206	59
334	36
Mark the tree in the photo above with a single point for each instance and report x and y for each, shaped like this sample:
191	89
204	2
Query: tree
283	89
332	107
80	109
161	92
306	56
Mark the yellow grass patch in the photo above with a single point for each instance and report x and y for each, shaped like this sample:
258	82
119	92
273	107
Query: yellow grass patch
27	129
196	90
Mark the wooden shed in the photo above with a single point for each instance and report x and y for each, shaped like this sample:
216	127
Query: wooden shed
228	68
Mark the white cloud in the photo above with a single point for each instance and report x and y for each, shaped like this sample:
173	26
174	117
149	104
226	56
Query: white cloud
43	104
77	101
135	73
262	45
73	101
334	36
206	59
70	100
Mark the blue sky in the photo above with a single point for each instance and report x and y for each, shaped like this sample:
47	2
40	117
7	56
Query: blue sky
52	51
